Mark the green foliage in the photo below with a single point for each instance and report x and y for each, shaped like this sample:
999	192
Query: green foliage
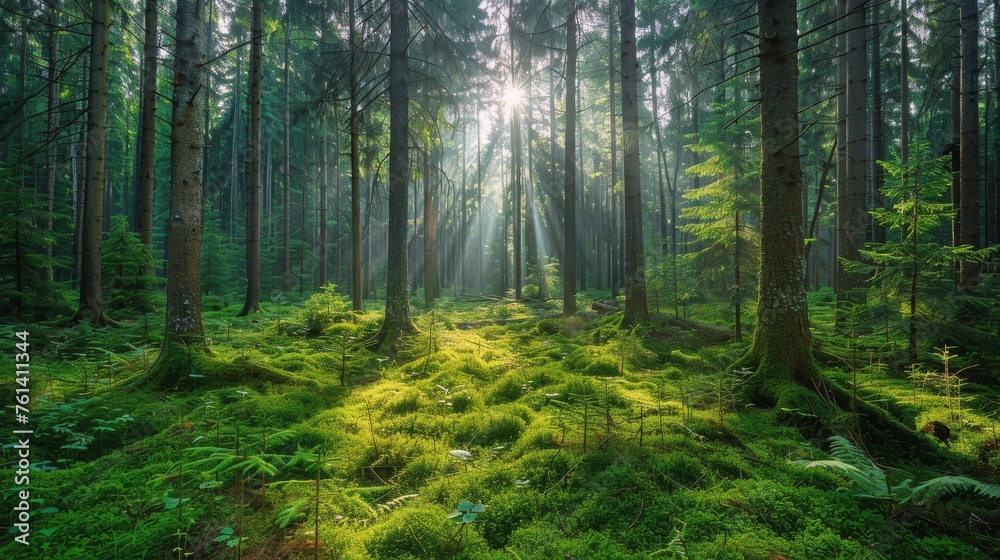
723	212
124	262
870	481
323	309
24	290
912	262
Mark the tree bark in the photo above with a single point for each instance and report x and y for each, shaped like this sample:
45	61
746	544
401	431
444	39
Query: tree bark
781	349
397	297
969	140
252	302
356	294
147	154
852	211
286	195
91	308
430	224
615	280
636	309
184	226
569	210
51	123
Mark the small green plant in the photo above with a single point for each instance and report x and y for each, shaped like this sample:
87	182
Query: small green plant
465	513
323	309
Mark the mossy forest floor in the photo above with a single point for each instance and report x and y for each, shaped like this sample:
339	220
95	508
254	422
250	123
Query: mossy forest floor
582	441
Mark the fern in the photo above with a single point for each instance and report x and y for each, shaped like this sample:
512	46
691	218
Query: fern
856	466
870	480
944	485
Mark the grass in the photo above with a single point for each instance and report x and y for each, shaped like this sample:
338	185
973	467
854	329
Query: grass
581	441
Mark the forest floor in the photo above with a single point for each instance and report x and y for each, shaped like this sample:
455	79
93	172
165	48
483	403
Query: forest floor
551	438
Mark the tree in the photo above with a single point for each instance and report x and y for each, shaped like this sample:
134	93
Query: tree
397	293
355	170
852	216
147	133
721	219
286	187
782	344
91	307
912	261
636	310
252	303
184	227
569	208
968	210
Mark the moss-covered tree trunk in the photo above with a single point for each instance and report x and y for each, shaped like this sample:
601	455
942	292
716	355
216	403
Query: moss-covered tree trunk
397	294
183	310
781	348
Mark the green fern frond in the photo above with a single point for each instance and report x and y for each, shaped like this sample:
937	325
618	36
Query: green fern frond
949	485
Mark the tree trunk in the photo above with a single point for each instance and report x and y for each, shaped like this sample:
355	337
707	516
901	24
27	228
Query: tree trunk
781	347
286	195
91	308
51	123
355	173
397	297
324	172
661	155
852	211
569	211
969	140
252	303
147	154
615	280
430	225
878	141
184	227
636	310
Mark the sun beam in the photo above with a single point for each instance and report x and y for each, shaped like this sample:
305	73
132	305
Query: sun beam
513	96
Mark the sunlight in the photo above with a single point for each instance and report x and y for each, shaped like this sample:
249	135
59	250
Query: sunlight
513	96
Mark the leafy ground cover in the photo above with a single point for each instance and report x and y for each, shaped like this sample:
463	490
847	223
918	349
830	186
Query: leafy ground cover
499	430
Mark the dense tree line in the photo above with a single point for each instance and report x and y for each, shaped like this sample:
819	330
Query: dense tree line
676	152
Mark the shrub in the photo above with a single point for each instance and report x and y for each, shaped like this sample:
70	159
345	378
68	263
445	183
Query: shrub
409	533
323	309
506	390
486	430
603	366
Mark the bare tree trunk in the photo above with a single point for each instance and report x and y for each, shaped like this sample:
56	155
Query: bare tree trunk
51	123
430	225
636	309
355	172
252	303
782	344
852	211
397	297
569	216
286	197
324	171
661	155
147	154
183	310
969	140
878	141
613	234
91	308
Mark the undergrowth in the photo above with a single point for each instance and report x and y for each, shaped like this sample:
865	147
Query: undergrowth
556	438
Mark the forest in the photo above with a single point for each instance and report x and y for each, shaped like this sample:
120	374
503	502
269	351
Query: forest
516	279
